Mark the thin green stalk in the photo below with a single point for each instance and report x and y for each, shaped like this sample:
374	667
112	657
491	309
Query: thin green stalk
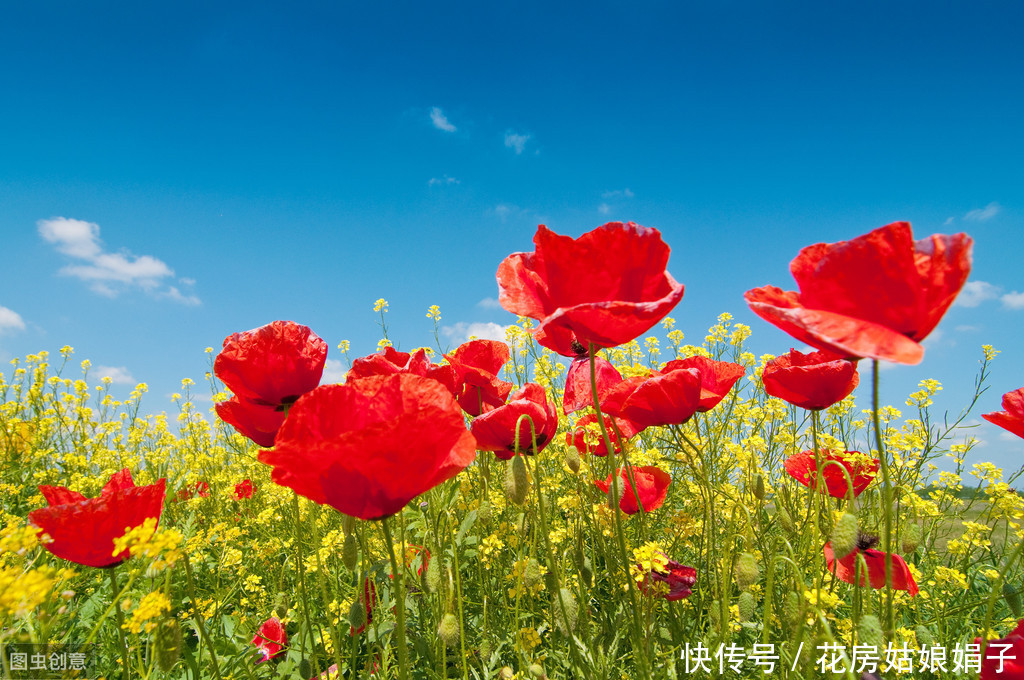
301	568
890	616
120	624
198	618
399	574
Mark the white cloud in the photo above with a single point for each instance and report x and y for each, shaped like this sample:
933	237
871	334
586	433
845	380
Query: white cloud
437	181
983	214
618	193
1013	300
440	121
975	292
505	210
934	339
10	320
108	273
965	328
462	331
516	141
604	208
334	372
489	303
949	221
119	375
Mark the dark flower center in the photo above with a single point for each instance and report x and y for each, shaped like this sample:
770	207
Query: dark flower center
286	403
866	541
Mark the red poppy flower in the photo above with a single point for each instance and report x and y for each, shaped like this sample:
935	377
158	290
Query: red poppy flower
845	569
578	393
412	552
678	581
669	397
391	361
812	381
244	489
803	468
586	436
607	287
369	599
651	485
1004	659
267	368
83	530
1012	418
476	365
875	296
716	378
368	447
511	428
270	640
200	488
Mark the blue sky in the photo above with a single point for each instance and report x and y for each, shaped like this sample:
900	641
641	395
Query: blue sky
227	164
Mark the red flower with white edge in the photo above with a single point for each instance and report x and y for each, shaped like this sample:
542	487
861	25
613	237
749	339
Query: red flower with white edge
876	296
527	419
607	287
268	369
82	530
270	640
368	447
651	488
812	381
1012	417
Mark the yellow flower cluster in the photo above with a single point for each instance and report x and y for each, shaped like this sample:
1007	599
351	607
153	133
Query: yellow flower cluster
150	607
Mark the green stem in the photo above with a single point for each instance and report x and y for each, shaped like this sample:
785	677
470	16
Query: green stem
399	574
890	617
301	568
120	624
198	615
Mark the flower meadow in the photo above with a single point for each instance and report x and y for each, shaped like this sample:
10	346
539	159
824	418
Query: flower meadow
591	498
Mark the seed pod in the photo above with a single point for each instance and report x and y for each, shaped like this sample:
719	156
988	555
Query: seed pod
517	481
350	552
305	668
791	608
924	637
567	623
746	571
911	537
448	630
357	614
572	459
1012	597
433	577
870	631
844	535
167	643
746	605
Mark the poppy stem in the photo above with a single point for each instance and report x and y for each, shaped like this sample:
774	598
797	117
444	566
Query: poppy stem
890	617
403	653
120	623
198	617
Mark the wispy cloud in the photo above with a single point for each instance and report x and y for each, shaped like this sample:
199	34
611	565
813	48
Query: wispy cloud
334	372
119	375
441	121
975	292
604	208
489	303
516	141
618	193
461	332
109	273
983	214
506	210
10	320
439	181
1013	300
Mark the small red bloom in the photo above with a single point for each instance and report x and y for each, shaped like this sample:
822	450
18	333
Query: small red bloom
200	488
244	489
845	569
716	378
586	436
1004	659
607	287
528	410
412	552
812	381
476	365
578	393
875	296
83	529
668	397
391	361
369	599
267	368
1012	418
651	488
368	447
803	468
270	640
679	579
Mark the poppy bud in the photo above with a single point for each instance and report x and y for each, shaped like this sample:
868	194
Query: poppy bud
587	572
567	623
746	605
759	488
281	605
305	668
869	631
357	614
433	577
350	552
924	637
791	608
615	492
531	574
506	673
911	537
1012	597
167	644
348	523
483	513
716	614
537	671
746	571
784	519
844	535
517	481
448	630
572	459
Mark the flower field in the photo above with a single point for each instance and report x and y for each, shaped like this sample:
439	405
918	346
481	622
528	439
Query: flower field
594	497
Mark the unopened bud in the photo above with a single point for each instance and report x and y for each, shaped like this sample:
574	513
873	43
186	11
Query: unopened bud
448	630
433	577
746	605
517	481
537	671
484	511
1012	597
844	535
869	631
759	488
348	524
925	640
350	552
565	623
167	644
746	570
911	537
357	615
531	573
572	459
